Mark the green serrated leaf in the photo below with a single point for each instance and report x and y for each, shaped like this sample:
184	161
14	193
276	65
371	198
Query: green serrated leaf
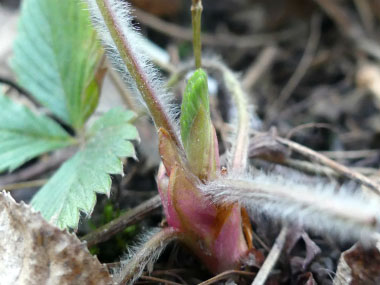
25	135
196	126
73	186
56	55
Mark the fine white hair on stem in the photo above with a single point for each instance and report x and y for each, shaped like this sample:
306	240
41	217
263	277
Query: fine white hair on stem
144	254
318	206
122	19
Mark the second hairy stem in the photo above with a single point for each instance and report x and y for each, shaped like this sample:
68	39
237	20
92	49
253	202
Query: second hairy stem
149	95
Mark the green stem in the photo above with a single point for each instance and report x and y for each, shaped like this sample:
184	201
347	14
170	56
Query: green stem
196	14
149	95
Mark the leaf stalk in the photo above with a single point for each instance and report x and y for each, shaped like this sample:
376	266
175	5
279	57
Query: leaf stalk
149	95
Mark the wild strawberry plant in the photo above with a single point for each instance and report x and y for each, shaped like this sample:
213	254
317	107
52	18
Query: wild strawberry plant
203	202
200	203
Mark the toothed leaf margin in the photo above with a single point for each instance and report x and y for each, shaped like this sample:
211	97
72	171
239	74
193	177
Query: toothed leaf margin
72	188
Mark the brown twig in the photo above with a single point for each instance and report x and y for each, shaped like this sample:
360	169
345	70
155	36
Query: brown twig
37	169
270	145
221	40
131	217
368	171
260	241
302	166
351	154
272	258
366	14
159	280
315	156
303	65
171	273
324	161
226	274
308	126
350	27
341	17
23	185
310	168
304	104
257	69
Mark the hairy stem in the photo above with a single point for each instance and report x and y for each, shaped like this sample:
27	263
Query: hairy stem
149	95
146	254
196	14
315	205
225	275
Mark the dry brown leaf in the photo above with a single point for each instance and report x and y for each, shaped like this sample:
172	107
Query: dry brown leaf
32	251
358	265
265	146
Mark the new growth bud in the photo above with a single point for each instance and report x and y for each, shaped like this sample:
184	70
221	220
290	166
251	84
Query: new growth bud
213	232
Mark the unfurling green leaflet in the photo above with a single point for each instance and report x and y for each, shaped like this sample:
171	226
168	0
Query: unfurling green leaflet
196	128
25	135
72	188
56	55
195	100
